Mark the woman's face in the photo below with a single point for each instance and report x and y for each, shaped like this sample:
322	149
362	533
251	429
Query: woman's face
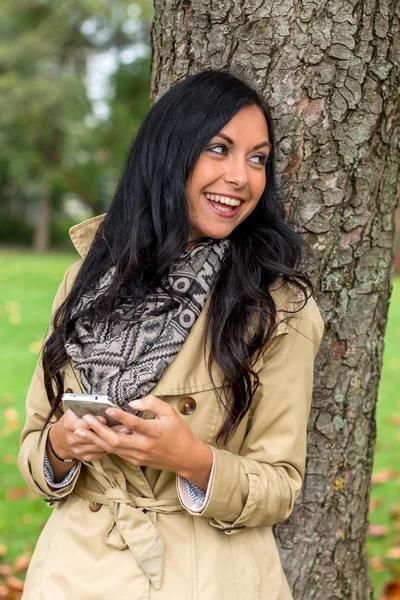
229	176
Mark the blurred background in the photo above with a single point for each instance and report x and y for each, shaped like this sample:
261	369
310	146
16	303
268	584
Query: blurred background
74	88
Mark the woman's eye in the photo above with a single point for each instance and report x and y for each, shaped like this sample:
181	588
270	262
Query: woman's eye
261	159
220	149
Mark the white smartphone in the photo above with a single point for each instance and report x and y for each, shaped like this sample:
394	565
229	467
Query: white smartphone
96	404
90	404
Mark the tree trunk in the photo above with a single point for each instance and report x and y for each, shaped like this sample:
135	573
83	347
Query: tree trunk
41	239
329	74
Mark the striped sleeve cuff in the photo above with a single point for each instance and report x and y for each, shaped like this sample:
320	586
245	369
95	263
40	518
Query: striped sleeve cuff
49	474
192	497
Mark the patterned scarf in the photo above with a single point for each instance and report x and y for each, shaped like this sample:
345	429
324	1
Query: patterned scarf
125	357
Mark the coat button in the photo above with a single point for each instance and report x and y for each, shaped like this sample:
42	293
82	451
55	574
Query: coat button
94	506
187	405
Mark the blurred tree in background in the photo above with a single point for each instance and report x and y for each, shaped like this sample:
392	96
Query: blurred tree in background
74	87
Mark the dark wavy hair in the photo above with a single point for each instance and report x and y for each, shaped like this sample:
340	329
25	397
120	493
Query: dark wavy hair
147	228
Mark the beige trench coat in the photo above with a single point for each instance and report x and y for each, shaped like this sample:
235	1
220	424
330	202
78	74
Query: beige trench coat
139	542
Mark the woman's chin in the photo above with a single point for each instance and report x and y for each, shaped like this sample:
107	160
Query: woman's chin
216	233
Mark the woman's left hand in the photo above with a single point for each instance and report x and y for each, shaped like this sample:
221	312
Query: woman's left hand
165	442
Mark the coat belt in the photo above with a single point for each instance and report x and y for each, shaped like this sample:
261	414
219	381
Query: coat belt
134	526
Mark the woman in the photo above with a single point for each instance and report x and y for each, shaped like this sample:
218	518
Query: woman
187	302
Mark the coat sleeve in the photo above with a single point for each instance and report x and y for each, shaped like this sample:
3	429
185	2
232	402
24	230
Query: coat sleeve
33	447
260	485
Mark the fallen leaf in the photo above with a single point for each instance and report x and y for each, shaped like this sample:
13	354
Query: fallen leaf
3	592
25	519
13	311
14	583
3	550
391	591
393	552
21	563
395	512
377	530
9	459
6	399
376	564
383	476
5	570
12	422
35	347
394	419
18	492
374	503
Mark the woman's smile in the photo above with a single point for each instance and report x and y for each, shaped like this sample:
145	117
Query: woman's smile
224	206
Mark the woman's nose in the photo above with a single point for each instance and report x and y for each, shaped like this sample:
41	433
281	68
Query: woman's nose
236	173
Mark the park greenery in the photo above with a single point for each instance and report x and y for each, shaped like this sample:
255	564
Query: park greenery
74	88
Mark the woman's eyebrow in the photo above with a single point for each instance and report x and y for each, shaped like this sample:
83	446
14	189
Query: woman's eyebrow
228	139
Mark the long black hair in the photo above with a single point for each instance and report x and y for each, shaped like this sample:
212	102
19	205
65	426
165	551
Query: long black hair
147	228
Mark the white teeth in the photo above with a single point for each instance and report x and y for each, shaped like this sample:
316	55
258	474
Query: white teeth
223	200
223	208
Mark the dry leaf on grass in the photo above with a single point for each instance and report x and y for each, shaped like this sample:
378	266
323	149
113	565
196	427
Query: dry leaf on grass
394	553
22	561
13	310
35	347
374	503
383	476
391	591
376	564
5	570
18	492
395	512
3	550
394	419
25	519
14	583
3	592
377	530
11	418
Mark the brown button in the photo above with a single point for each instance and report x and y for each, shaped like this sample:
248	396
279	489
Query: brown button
187	405
94	506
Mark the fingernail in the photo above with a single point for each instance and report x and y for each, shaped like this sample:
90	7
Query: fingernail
135	403
80	432
88	419
111	411
124	430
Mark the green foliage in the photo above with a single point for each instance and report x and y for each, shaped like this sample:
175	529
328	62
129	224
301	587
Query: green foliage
51	141
28	284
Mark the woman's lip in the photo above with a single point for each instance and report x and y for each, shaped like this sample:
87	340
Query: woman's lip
226	215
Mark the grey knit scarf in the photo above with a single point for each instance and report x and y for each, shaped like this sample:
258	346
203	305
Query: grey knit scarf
125	357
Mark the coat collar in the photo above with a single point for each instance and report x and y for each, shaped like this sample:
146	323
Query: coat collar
82	235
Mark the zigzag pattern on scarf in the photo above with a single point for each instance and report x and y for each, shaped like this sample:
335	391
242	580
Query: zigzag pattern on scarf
124	358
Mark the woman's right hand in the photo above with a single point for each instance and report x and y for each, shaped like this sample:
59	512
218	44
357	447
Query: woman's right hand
69	445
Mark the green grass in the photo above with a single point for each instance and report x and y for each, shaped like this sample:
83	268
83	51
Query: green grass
28	284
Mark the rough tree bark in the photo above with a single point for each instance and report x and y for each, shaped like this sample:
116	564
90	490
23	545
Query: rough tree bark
328	71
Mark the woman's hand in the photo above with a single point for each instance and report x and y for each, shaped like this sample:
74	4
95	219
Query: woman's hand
165	442
69	445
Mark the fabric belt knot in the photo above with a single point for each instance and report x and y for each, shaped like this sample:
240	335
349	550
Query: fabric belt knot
133	527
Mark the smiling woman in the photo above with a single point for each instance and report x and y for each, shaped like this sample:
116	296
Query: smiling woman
187	306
